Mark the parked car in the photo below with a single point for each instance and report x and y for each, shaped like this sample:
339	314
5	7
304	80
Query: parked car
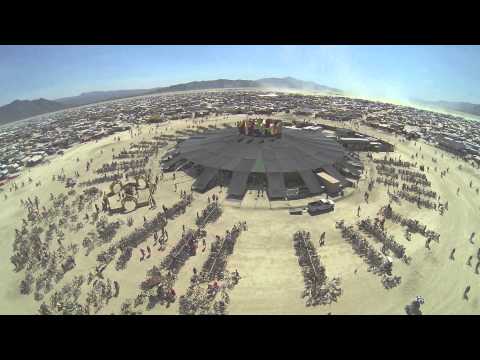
296	211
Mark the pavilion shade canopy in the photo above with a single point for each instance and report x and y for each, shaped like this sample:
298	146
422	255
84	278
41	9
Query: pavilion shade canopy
245	165
259	166
294	151
311	181
204	179
276	185
238	184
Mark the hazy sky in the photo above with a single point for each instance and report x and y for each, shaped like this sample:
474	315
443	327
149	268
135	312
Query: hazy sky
397	72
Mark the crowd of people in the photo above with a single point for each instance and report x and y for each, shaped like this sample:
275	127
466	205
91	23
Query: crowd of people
122	166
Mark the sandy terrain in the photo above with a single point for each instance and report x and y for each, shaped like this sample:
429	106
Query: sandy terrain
271	281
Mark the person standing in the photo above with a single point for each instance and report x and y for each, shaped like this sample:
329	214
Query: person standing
154	203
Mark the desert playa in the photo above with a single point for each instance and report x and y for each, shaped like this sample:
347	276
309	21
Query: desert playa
262	270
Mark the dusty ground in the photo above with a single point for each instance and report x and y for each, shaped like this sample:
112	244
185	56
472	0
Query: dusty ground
271	278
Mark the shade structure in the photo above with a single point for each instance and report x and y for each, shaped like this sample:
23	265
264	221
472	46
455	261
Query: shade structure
311	181
276	186
296	151
238	185
207	175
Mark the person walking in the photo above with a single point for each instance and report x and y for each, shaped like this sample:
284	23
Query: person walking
452	254
469	261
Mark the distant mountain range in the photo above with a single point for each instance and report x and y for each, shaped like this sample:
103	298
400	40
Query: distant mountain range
22	109
287	83
98	96
464	107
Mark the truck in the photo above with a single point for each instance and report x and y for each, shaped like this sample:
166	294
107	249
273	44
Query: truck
321	206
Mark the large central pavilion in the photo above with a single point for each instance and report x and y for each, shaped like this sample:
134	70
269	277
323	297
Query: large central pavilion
294	157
